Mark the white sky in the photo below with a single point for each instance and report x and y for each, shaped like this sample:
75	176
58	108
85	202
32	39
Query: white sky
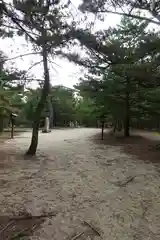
63	72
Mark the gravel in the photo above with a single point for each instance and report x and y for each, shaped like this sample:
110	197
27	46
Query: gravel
81	180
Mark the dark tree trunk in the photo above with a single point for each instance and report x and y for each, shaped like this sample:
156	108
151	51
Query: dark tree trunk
127	112
54	115
127	127
45	91
12	129
50	114
102	130
114	128
1	124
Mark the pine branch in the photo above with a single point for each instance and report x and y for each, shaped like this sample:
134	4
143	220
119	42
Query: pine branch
16	21
32	66
129	15
19	56
35	64
51	62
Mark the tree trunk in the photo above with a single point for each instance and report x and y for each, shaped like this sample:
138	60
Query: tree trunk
102	130
51	114
45	91
114	126
1	124
46	125
127	113
127	127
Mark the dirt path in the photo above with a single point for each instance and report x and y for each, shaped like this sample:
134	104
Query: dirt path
81	180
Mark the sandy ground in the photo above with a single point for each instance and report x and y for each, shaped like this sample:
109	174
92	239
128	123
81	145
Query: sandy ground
81	180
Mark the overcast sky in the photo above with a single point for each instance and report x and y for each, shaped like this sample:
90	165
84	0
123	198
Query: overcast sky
62	71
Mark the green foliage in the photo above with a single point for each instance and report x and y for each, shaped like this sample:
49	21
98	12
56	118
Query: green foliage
127	8
60	103
85	112
11	92
124	83
63	102
40	22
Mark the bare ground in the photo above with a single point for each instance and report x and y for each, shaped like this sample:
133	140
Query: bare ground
77	178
